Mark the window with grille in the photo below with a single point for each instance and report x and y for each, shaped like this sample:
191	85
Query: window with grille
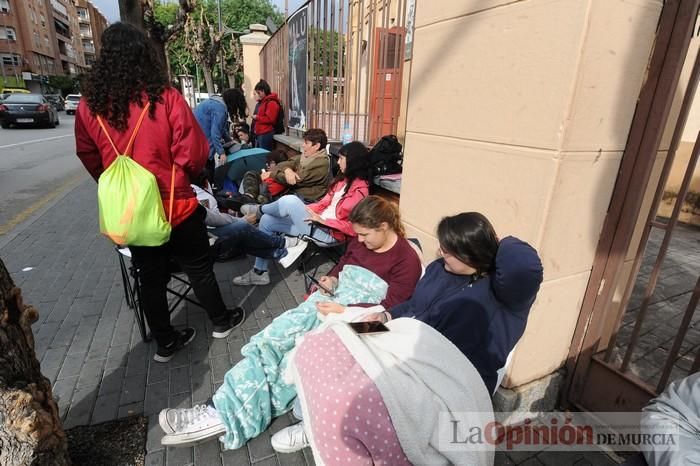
11	59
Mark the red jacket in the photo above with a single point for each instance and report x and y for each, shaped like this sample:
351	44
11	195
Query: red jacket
268	111
341	226
172	137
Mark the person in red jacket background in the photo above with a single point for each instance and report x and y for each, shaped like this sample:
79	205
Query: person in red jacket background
126	76
266	117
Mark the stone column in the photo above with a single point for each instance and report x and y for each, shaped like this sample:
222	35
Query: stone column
252	68
524	110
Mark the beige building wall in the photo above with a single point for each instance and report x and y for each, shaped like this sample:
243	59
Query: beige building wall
252	44
521	110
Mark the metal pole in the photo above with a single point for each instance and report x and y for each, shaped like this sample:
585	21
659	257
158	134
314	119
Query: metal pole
221	46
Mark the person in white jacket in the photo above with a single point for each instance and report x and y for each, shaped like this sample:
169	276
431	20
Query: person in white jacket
678	405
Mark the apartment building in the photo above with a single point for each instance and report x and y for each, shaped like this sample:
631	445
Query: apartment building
42	38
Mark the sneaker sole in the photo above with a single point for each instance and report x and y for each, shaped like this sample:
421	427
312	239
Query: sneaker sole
289	259
163	422
286	449
233	327
251	284
158	358
186	440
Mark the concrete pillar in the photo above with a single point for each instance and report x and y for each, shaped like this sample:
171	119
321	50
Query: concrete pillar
521	110
252	68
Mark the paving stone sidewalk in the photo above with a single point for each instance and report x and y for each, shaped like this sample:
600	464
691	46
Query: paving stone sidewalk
91	349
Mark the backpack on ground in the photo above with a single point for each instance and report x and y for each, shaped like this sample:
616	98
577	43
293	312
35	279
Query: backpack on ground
386	156
130	207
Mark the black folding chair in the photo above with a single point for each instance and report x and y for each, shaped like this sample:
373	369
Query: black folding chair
132	289
317	248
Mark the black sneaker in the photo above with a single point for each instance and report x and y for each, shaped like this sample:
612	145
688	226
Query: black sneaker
224	330
182	338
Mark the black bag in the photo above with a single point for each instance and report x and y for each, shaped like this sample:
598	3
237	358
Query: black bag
279	123
386	156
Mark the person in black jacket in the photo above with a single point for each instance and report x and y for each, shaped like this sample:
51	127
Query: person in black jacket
478	294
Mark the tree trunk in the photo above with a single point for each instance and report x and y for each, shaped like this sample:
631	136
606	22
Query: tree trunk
131	11
30	427
231	81
209	80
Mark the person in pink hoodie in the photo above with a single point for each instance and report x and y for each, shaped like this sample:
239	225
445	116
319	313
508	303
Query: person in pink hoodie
330	215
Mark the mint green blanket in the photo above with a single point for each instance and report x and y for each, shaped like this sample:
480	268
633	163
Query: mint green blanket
253	391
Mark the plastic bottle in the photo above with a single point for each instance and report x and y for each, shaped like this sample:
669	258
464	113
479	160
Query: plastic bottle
347	134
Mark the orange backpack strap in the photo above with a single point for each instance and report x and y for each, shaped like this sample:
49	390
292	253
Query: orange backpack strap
133	133
172	195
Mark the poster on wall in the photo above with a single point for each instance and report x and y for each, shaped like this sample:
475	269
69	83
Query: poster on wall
410	23
297	25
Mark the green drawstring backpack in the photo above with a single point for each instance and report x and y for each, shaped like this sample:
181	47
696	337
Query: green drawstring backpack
131	209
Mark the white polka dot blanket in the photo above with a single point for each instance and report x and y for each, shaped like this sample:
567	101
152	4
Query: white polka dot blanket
406	396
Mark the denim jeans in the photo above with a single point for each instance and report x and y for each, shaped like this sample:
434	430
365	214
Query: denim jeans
288	215
189	246
244	236
265	141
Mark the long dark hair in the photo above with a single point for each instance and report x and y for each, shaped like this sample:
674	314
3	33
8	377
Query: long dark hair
127	67
357	164
235	103
469	237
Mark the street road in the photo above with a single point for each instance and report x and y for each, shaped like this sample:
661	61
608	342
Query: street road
36	166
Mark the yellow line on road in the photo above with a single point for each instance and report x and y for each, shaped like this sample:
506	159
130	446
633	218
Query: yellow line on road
26	213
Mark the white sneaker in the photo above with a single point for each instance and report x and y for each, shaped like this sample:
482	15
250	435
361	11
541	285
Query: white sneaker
190	425
251	209
293	253
252	278
290	439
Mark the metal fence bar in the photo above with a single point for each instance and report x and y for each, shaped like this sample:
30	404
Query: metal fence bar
340	68
343	57
370	63
678	341
651	218
359	39
654	277
696	363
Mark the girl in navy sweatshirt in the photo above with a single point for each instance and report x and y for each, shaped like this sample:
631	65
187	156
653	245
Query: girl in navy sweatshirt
478	294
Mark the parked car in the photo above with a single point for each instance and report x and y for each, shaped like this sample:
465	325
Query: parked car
31	109
72	101
15	90
56	100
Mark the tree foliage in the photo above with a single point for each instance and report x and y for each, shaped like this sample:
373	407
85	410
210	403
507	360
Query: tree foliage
200	42
63	84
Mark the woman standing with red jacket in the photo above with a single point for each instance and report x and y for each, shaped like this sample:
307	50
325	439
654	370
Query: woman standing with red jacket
266	116
126	77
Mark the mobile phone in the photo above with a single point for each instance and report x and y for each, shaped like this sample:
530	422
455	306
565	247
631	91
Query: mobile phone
368	327
318	284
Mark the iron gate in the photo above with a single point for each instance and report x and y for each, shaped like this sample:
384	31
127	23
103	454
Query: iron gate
599	375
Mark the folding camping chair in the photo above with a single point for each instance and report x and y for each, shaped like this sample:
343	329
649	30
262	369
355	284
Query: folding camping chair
132	288
331	251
